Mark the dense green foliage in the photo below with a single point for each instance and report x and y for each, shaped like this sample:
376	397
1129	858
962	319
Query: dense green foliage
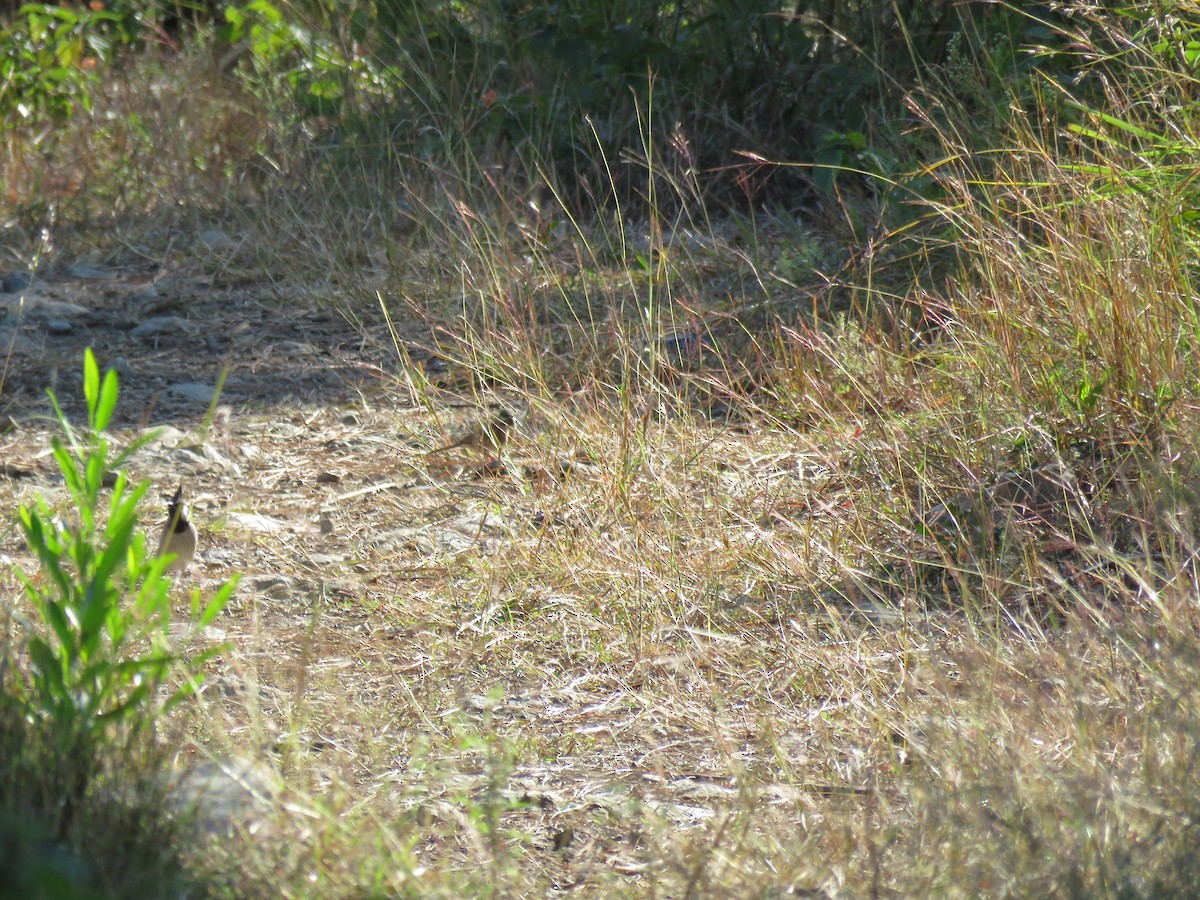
561	86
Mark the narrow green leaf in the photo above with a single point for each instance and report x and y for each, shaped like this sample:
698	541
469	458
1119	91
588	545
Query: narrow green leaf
121	710
48	664
217	603
124	455
59	622
98	601
95	469
108	401
66	465
119	540
91	385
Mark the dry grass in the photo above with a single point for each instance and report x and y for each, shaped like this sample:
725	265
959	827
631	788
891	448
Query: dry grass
790	607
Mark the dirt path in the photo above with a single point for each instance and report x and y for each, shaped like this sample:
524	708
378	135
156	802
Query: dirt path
396	628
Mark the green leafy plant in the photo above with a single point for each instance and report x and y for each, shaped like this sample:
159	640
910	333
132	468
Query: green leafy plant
47	59
103	659
320	73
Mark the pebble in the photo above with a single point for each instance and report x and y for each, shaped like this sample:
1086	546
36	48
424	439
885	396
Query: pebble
15	282
190	457
46	309
257	522
121	366
76	270
214	239
224	795
19	343
295	348
58	326
202	393
263	584
167	436
157	325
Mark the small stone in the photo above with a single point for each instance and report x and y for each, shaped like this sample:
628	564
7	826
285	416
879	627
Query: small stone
167	436
76	270
257	522
18	343
221	796
201	393
58	326
46	309
121	366
157	325
214	239
15	282
265	584
295	348
188	457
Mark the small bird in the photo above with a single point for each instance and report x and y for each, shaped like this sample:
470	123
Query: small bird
488	435
178	535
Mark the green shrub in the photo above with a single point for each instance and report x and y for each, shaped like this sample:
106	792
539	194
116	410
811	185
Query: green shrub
48	59
101	669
